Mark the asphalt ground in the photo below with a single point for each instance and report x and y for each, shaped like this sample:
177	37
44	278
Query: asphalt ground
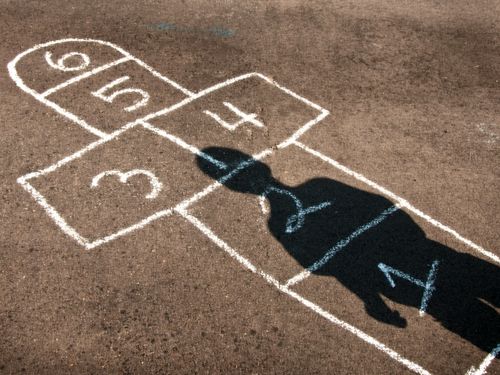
139	235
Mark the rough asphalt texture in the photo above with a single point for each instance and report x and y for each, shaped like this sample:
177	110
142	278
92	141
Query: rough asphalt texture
413	90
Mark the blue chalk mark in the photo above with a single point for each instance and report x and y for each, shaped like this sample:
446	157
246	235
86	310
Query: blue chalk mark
216	30
212	160
163	26
300	217
219	31
296	221
428	285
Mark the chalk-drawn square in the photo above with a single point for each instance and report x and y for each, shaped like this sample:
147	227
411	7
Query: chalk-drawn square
115	186
116	96
251	113
291	210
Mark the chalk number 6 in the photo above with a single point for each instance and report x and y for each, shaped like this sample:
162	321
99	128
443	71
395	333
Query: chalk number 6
62	65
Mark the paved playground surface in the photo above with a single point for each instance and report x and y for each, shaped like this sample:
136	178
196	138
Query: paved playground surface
250	187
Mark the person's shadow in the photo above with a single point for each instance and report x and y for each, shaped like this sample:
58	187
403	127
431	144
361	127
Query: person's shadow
373	249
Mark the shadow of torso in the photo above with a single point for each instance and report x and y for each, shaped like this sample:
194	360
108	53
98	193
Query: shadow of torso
375	249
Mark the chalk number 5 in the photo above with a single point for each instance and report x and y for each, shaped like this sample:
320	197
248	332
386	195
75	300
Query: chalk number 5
103	94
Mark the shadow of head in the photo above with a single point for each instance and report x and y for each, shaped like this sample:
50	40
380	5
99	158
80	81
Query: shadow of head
242	174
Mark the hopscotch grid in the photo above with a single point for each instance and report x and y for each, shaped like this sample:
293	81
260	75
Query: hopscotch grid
181	208
204	229
57	218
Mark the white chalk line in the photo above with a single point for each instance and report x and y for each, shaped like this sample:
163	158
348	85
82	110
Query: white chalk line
130	229
488	360
83	76
263	204
400	201
339	246
304	129
182	144
289	92
162	77
199	94
312	306
11	66
52	213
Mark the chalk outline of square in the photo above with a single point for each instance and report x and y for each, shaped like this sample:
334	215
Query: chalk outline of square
302	129
73	233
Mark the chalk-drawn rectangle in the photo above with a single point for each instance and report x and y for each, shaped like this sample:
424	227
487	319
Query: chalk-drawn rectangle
251	113
110	99
115	186
54	64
